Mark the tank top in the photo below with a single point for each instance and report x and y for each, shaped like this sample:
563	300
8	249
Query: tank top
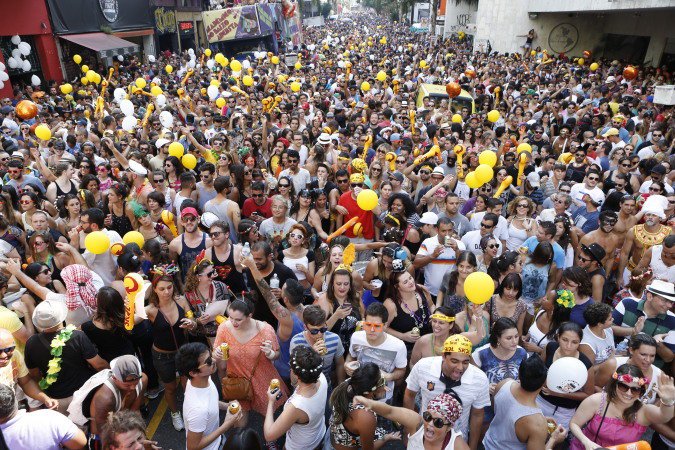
227	272
178	200
220	210
405	321
60	192
516	238
661	271
416	441
165	336
282	362
309	435
508	410
292	262
205	195
189	254
121	224
537	337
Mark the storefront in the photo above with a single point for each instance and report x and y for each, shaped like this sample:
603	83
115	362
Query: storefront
30	21
110	29
165	29
189	24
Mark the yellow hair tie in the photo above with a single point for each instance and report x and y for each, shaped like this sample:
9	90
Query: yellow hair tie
394	219
442	317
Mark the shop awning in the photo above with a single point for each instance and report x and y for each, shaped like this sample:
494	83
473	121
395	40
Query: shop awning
104	44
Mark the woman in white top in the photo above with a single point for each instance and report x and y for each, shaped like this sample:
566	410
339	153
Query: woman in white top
521	223
298	257
426	431
598	341
303	417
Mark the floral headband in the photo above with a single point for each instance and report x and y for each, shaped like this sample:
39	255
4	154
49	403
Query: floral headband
447	406
442	317
297	369
626	378
163	270
565	298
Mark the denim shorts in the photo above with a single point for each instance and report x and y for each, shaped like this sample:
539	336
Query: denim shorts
165	365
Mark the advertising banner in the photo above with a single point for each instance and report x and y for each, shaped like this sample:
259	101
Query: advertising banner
266	18
221	25
165	20
90	16
248	23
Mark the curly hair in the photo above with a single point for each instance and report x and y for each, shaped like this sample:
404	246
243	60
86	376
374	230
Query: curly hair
192	276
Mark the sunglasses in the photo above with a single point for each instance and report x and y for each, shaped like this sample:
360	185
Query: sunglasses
215	234
593	178
189	219
342	181
375	169
623	387
424	172
370	326
257	195
26	202
523	205
297	236
293	161
654	189
493	246
284	185
400	161
485	225
356	185
316	331
437	422
626	165
584	260
209	274
159	180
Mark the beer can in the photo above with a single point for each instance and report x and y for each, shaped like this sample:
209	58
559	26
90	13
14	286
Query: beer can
551	425
225	349
189	314
415	331
274	384
234	407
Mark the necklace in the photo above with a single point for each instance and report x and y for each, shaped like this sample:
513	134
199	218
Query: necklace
418	318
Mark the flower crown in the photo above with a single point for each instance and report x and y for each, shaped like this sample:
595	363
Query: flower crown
626	378
297	369
565	298
164	270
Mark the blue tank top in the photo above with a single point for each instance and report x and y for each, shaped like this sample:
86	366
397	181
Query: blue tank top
189	254
282	363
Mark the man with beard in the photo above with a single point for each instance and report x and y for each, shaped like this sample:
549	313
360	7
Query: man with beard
452	373
185	247
643	236
605	237
660	259
105	265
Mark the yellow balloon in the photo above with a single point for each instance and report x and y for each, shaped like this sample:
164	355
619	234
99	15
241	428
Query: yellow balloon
456	118
581	61
275	60
84	81
97	78
381	76
247	80
168	68
479	287
85	68
141	83
207	52
471	180
484	173
176	149
493	116
533	53
423	64
235	65
97	242
524	147
43	132
220	59
220	102
383	41
367	200
215	82
298	66
77	59
594	66
296	86
134	237
189	161
155	90
487	157
91	76
365	86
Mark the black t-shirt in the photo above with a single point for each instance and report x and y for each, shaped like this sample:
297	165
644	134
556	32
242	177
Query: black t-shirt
262	310
110	344
326	189
75	370
551	347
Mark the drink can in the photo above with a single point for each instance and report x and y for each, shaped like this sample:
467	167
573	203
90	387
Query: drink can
225	349
234	407
274	384
415	331
447	241
189	314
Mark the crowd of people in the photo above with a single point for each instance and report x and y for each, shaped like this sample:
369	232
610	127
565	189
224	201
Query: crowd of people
219	251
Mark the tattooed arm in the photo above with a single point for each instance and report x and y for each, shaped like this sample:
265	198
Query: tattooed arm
282	314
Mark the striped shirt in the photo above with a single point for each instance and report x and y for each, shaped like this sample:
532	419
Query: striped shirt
438	267
333	345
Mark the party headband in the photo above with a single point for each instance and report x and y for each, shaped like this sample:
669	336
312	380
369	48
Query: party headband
394	219
164	270
442	317
427	167
626	378
457	344
343	267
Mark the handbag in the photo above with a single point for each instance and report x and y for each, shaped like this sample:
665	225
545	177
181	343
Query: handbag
239	388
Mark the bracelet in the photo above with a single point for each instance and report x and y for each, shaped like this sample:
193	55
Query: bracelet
668	405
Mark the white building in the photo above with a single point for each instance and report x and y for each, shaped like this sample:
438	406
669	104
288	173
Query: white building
640	31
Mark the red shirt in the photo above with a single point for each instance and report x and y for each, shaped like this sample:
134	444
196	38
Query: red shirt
250	206
365	217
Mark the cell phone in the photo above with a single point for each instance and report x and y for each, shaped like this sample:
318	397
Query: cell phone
346	305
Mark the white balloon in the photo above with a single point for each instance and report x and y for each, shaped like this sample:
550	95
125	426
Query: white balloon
119	94
246	64
2	85
4	76
191	51
16	53
566	375
213	92
161	100
151	58
127	107
35	80
120	58
12	63
129	122
2	66
24	47
26	66
166	119
16	39
210	64
191	64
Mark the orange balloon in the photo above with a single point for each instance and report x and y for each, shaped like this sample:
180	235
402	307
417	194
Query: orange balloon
453	89
470	73
630	73
26	109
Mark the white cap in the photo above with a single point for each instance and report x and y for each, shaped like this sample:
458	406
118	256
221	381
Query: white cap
534	179
137	168
429	218
161	142
597	196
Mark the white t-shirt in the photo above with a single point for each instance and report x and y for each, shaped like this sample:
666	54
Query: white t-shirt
43	429
300	179
201	412
501	231
472	240
389	355
437	268
578	190
474	390
602	347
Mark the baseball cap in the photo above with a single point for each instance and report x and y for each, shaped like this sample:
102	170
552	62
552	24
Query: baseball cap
610	79
429	218
398	176
595	251
189	211
534	179
159	143
395	137
49	313
126	368
659	169
611	132
596	196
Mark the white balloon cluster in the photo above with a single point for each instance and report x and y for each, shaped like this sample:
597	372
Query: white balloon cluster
151	58
3	75
16	61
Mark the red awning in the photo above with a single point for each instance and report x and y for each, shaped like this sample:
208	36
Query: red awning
105	44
